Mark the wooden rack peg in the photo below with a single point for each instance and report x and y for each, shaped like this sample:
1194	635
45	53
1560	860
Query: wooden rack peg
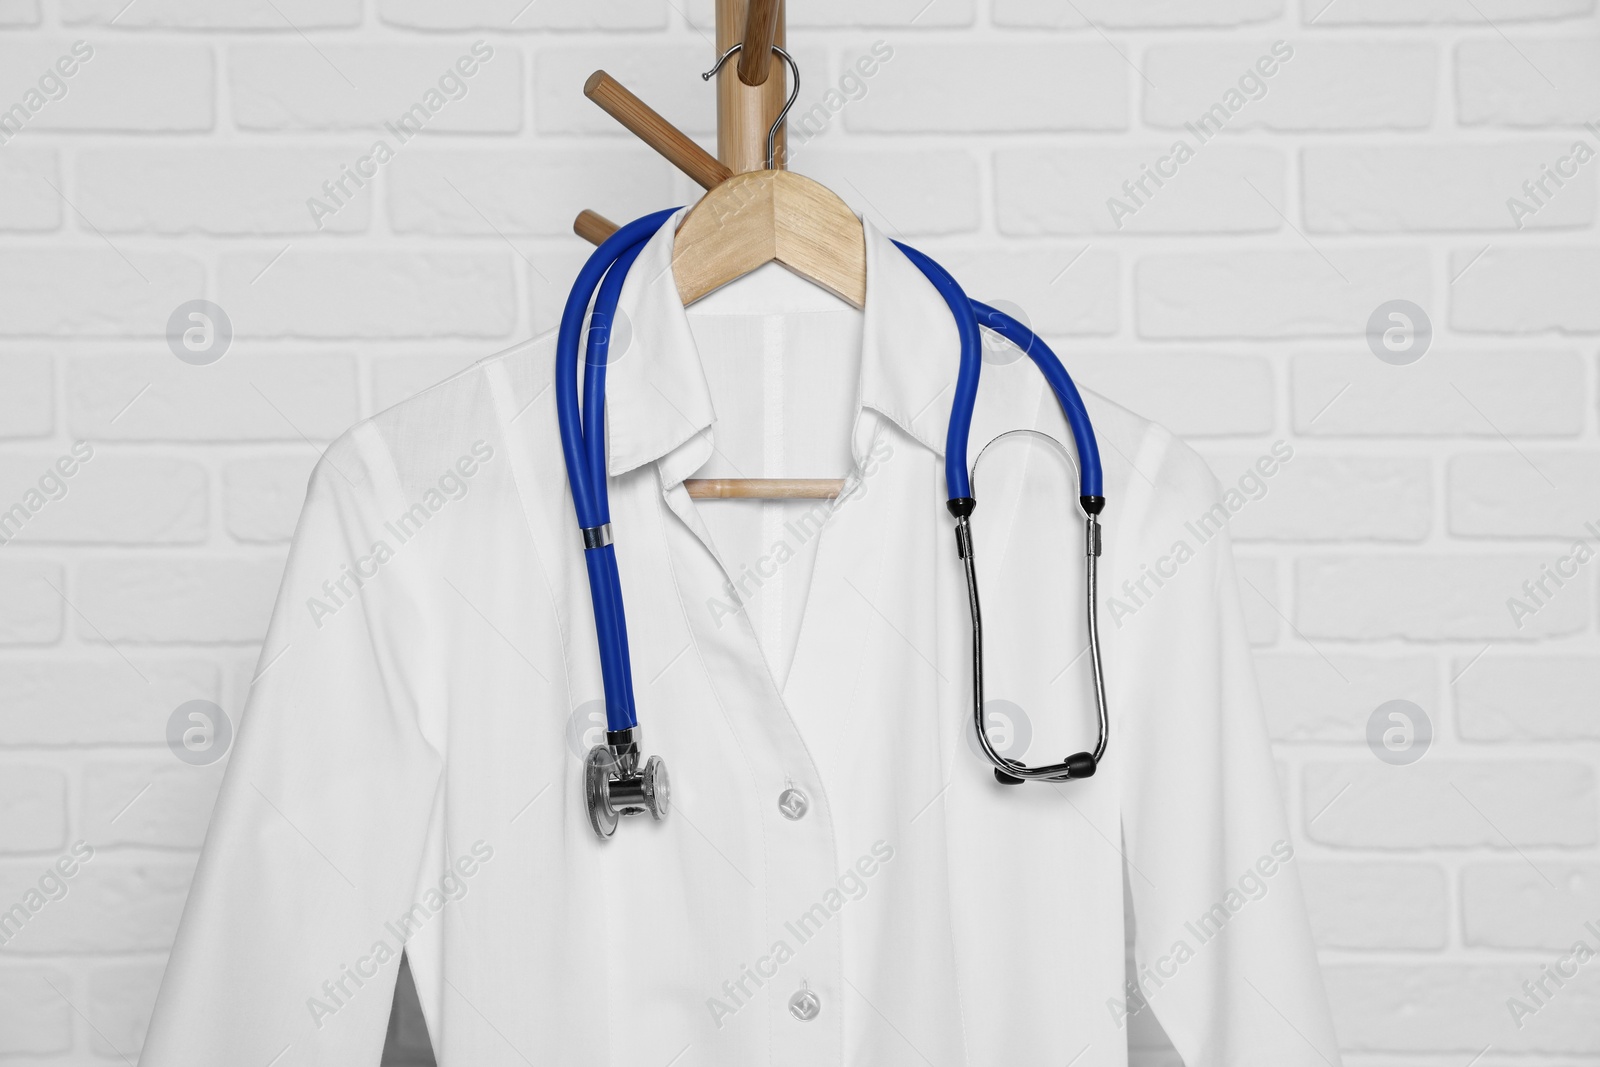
593	227
644	123
760	34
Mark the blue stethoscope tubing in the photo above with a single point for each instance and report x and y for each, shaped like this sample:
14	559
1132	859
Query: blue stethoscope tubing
583	446
586	469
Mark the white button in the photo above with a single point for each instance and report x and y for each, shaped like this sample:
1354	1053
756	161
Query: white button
805	1005
793	804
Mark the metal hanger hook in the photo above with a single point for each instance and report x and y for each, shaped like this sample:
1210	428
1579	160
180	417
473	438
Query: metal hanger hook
794	94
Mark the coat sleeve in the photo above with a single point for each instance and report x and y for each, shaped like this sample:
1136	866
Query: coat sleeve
287	951
1222	949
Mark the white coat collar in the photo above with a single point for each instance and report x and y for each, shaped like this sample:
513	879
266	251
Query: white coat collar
658	398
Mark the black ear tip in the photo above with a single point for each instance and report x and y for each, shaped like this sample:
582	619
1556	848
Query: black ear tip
1081	765
1005	779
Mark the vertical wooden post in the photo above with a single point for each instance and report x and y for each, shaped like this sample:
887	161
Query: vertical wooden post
745	113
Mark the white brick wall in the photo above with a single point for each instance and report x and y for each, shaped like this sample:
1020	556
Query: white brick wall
1229	301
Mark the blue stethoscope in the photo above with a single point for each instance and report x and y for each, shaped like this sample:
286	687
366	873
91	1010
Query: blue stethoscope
615	783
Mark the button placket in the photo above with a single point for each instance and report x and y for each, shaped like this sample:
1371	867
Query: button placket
801	861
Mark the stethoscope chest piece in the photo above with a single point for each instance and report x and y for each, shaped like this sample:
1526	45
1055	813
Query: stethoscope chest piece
614	785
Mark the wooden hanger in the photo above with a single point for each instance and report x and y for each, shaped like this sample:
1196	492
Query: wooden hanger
771	216
755	212
746	220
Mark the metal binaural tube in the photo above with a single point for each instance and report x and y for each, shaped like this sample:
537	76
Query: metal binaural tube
1078	765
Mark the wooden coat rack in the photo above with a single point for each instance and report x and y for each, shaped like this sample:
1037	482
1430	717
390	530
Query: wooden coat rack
827	247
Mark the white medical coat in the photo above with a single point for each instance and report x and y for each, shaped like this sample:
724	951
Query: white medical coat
407	771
